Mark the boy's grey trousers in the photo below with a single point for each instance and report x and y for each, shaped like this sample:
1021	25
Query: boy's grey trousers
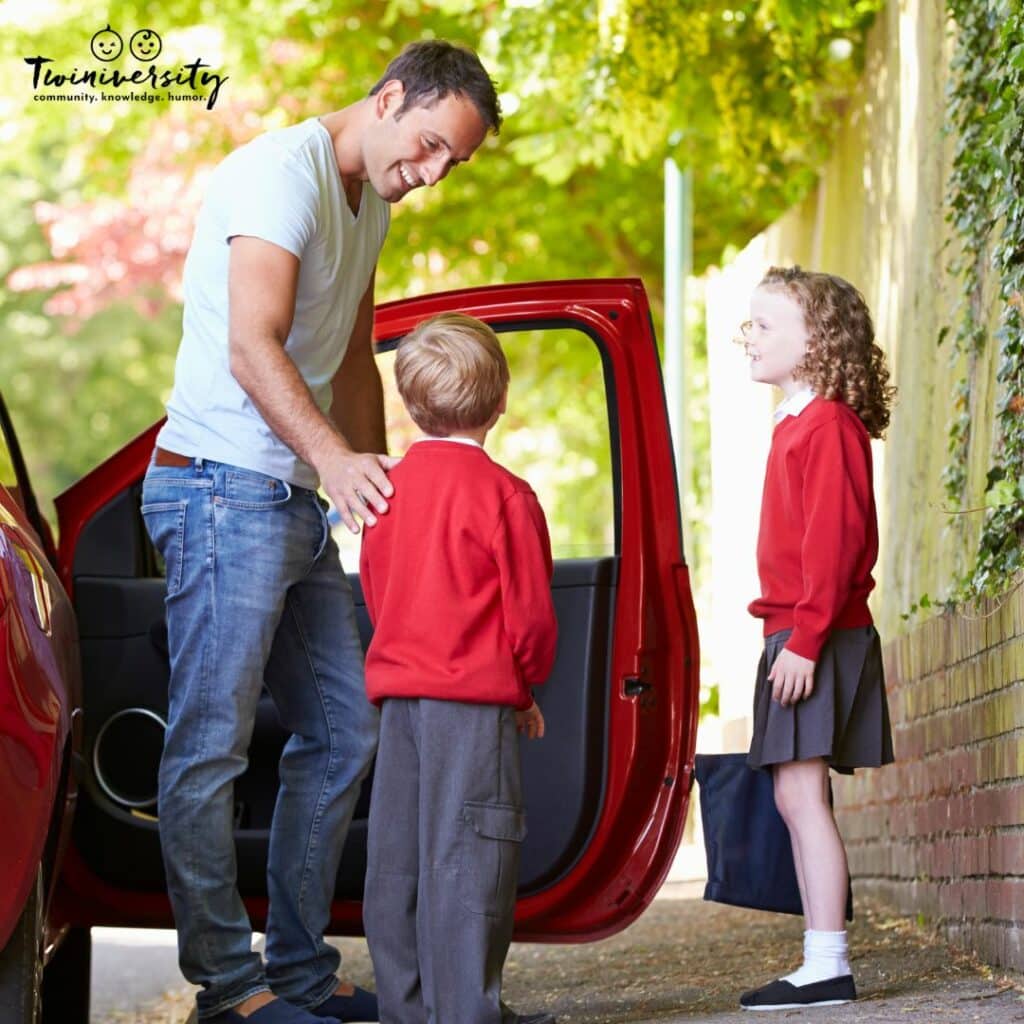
446	823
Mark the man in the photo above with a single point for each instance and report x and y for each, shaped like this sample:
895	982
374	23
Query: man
276	390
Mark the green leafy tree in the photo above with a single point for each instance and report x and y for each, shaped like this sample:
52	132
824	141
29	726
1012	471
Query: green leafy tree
97	199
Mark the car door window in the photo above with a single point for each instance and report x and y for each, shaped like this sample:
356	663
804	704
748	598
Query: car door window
13	475
8	477
41	603
555	435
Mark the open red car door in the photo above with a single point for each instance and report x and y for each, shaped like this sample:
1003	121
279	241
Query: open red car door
606	791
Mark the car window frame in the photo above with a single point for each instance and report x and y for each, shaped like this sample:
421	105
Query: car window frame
25	498
500	327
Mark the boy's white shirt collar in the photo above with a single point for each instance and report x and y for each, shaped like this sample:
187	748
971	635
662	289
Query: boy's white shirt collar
794	405
457	440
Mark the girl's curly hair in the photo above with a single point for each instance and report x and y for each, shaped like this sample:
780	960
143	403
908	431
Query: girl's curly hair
842	362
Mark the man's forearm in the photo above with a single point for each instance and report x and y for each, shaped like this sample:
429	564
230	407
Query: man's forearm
269	377
358	406
360	418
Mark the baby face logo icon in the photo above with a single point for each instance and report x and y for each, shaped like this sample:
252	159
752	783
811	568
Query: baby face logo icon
145	45
106	45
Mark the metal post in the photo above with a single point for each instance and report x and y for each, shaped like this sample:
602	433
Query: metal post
678	265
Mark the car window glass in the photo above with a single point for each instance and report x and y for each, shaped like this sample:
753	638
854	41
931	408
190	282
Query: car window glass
555	435
35	573
15	478
8	475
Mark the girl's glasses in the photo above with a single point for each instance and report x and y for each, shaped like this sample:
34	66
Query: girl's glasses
741	338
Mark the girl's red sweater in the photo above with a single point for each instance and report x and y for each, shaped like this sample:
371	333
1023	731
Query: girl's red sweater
818	539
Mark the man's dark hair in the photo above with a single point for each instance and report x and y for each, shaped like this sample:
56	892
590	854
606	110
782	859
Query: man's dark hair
432	69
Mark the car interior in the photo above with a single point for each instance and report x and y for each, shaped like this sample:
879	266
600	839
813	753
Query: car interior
119	600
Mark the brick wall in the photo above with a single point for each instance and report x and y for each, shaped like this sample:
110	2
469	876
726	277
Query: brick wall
940	834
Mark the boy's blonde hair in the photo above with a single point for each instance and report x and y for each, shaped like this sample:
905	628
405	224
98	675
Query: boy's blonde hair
451	373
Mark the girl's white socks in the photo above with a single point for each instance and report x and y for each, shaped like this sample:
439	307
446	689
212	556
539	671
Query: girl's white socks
825	956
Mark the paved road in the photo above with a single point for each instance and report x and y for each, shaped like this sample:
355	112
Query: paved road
131	970
683	962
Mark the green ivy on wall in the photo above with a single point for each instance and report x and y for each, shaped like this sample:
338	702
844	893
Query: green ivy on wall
985	207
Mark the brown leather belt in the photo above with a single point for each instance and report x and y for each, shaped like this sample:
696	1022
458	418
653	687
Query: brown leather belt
166	458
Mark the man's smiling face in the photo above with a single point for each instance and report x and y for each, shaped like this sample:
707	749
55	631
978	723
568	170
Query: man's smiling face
420	146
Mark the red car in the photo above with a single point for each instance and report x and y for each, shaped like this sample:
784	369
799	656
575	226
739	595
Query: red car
40	732
606	792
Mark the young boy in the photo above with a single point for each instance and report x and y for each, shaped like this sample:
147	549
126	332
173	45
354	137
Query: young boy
457	581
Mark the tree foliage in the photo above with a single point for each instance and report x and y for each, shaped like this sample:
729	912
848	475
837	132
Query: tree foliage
97	200
985	206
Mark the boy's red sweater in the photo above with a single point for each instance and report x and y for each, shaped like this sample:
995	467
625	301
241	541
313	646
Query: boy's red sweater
457	580
818	539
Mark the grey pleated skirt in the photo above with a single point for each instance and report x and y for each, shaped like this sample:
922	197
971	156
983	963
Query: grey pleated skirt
846	718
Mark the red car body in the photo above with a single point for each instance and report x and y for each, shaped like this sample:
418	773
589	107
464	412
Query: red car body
39	693
640	733
40	706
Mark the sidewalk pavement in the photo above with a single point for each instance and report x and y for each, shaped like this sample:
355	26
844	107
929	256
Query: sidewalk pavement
686	961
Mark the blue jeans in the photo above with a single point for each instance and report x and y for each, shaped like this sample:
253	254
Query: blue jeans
255	595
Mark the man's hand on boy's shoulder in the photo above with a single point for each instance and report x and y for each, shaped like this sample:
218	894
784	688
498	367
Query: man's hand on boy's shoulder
531	721
357	484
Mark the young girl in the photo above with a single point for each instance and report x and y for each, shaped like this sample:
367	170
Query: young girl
820	694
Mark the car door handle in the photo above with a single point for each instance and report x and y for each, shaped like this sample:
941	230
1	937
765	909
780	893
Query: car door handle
634	686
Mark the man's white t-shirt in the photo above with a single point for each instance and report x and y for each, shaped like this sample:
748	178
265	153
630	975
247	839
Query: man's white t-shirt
284	187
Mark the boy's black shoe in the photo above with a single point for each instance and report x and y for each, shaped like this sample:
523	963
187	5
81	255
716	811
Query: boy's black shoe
784	995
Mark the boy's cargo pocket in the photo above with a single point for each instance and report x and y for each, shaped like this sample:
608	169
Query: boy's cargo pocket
489	856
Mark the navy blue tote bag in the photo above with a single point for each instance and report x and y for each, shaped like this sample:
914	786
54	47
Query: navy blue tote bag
750	859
